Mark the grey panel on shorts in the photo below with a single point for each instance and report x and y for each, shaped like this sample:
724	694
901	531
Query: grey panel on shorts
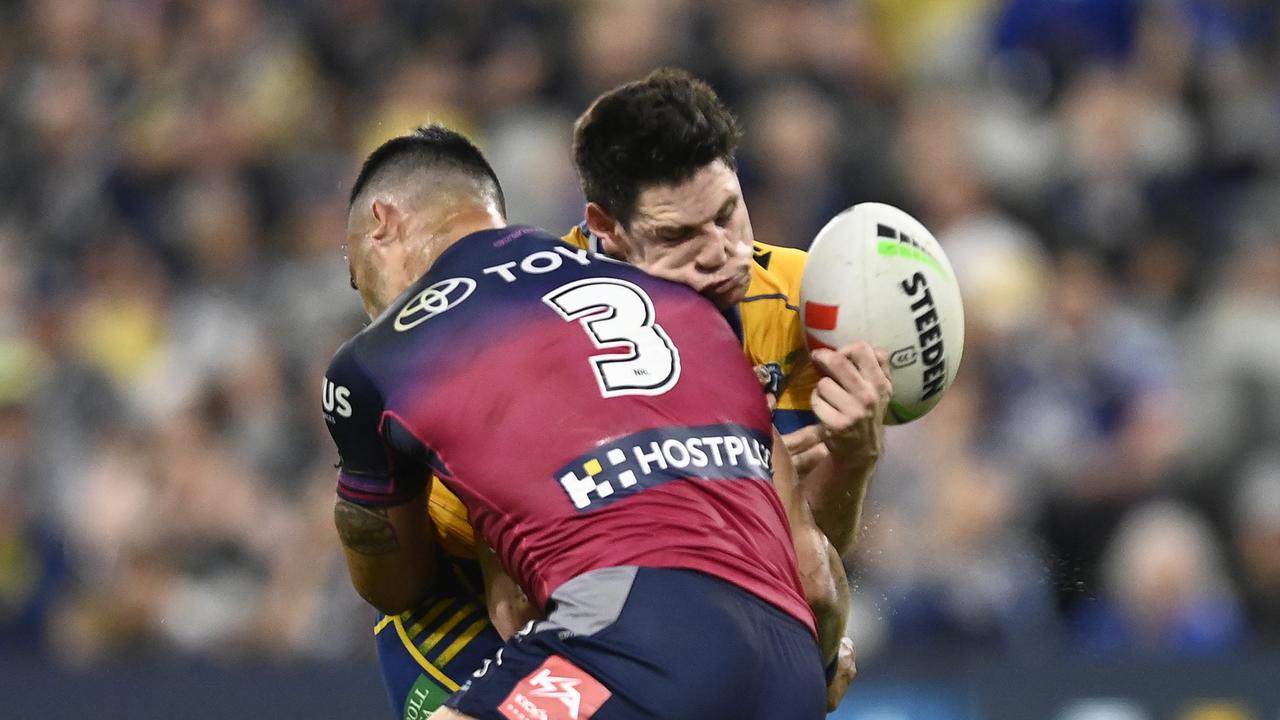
590	602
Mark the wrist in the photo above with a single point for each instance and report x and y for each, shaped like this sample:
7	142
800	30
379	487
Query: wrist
851	455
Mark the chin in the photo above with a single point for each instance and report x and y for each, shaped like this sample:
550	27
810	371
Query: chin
725	301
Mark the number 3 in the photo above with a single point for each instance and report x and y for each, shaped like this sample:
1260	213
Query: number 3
616	313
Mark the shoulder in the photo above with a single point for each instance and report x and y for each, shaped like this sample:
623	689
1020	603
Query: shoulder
351	393
776	271
773	335
348	361
779	258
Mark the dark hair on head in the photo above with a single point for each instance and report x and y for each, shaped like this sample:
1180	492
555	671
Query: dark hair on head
432	148
658	130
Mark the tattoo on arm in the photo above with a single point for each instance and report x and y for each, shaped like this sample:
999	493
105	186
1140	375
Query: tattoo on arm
364	530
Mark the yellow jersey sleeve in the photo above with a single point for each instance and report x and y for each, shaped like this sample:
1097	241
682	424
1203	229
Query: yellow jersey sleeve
449	518
773	336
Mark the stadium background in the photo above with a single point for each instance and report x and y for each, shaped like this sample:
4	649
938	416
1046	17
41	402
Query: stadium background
1088	528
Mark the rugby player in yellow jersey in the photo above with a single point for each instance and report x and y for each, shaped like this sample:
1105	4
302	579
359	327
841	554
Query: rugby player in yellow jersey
656	161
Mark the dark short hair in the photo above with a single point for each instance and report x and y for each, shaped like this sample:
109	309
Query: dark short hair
655	131
432	148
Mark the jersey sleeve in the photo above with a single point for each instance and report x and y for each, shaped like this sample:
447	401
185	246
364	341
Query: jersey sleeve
794	409
774	336
378	463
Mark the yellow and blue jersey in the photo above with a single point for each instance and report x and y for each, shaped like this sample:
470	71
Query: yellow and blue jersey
773	336
427	653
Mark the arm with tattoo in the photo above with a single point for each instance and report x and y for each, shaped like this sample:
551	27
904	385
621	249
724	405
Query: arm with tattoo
390	551
364	530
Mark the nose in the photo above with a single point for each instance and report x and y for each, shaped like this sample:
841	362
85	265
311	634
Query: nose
715	249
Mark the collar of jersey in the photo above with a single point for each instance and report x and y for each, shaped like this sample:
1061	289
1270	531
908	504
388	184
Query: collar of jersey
477	237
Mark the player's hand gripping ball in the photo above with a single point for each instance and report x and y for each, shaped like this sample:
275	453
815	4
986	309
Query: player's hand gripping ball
875	273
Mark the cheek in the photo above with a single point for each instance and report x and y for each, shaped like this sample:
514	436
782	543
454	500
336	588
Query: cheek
369	276
681	264
667	271
670	263
741	230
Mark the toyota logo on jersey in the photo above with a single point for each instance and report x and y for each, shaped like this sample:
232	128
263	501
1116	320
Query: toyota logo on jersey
434	300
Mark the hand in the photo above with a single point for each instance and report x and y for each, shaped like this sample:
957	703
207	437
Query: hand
851	399
846	668
806	447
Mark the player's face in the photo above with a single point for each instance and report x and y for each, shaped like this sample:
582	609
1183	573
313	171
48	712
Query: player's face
364	276
696	232
376	257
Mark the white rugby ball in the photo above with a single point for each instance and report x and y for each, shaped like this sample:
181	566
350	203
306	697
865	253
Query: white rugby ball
874	273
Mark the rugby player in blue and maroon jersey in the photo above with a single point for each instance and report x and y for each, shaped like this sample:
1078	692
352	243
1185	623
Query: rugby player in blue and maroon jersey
657	162
609	440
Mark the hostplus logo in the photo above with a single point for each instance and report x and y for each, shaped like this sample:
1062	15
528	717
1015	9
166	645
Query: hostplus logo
653	457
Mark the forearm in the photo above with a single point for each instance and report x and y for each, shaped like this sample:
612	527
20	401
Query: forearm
849	401
833	616
511	611
827	592
835	491
389	552
822	577
509	608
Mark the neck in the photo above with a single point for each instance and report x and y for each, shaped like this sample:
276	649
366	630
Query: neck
428	244
454	227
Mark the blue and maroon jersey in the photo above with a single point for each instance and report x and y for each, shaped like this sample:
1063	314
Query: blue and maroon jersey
588	415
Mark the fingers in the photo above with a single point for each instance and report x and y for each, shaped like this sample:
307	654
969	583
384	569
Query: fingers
867	361
873	366
854	438
808	459
842	426
835	365
855	364
882	357
832	420
856	402
803	439
806	447
850	400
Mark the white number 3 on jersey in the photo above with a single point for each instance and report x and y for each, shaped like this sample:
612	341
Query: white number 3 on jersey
618	314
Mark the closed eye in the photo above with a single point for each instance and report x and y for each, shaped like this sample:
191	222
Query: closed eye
726	212
675	236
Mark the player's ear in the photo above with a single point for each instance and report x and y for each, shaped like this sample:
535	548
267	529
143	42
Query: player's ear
386	221
604	226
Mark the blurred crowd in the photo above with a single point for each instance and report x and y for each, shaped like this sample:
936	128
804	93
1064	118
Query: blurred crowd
1104	477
